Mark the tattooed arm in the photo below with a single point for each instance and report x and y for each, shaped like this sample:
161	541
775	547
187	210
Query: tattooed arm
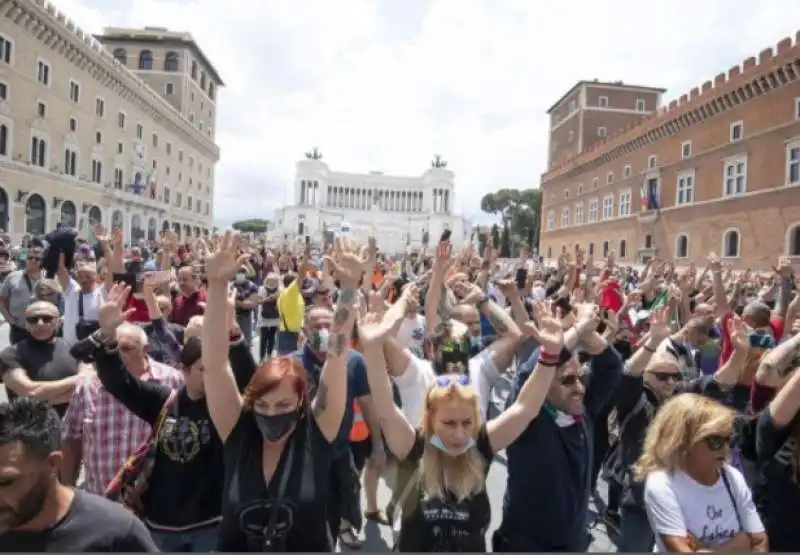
328	406
774	367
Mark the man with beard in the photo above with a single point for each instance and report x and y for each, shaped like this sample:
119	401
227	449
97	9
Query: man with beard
37	513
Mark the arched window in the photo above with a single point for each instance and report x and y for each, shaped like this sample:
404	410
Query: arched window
95	216
731	243
117	221
605	249
152	229
171	62
648	241
177	229
194	71
145	59
4	214
622	251
793	240
137	232
35	215
165	225
121	55
682	246
197	232
69	214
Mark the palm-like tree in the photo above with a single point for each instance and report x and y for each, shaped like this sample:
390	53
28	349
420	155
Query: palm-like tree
438	162
314	154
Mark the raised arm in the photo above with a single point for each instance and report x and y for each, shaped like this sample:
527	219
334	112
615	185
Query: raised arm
222	392
328	406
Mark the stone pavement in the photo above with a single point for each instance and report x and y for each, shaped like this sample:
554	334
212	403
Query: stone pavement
378	538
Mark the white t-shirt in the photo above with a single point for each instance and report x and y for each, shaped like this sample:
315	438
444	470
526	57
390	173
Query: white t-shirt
414	383
412	334
91	308
676	504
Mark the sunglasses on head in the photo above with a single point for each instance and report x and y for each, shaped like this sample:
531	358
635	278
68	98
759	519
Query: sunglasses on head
715	442
446	381
43	318
667	376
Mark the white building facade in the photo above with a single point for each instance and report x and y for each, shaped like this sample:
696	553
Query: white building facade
397	210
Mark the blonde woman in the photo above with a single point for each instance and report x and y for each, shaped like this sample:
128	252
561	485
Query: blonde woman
695	500
445	506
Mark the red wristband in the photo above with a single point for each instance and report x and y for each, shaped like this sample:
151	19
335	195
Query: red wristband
547	357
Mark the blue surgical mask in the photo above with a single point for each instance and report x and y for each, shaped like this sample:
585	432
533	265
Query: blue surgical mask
436	441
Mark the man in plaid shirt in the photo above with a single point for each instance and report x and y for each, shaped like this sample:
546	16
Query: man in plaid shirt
97	429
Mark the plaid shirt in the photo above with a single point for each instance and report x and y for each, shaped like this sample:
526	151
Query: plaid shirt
109	432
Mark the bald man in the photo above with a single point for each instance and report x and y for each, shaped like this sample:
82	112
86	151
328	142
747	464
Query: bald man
40	365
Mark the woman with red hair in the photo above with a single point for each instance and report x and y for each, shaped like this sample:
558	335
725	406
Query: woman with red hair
277	441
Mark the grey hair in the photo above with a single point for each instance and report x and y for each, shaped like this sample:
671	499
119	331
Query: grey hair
133	329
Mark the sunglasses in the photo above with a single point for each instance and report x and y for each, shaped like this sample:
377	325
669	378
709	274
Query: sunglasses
40	318
446	381
716	442
667	376
572	380
35	258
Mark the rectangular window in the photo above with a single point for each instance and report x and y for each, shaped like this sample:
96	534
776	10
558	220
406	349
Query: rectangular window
139	131
41	109
3	91
602	102
120	147
551	220
97	171
169	89
5	139
70	161
595	183
38	152
624	203
155	140
99	107
169	148
737	131
610	178
685	189
73	125
602	131
6	49
793	164
118	178
735	177
608	208
43	73
565	217
593	211
626	172
578	214
686	149
74	91
651	161
572	106
640	105
121	120
98	137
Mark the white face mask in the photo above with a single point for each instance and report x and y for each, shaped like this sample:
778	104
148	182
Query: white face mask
320	340
240	277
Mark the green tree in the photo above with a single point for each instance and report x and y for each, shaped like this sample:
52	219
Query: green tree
495	235
520	214
253	225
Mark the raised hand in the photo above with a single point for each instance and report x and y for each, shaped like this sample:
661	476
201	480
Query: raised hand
112	312
222	263
374	329
546	329
740	338
659	327
347	263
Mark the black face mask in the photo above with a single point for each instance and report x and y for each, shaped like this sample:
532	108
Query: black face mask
274	427
624	348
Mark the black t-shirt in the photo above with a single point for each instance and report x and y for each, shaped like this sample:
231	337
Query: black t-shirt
442	525
92	524
776	492
43	362
185	487
301	523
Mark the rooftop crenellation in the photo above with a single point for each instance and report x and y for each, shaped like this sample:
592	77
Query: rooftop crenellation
767	60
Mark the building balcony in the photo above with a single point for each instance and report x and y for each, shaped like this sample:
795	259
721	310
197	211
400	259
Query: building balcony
647	216
135	195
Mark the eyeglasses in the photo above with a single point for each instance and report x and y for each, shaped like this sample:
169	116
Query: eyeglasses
40	318
667	376
572	380
446	381
716	442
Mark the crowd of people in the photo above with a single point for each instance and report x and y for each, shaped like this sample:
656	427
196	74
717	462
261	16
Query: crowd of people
217	394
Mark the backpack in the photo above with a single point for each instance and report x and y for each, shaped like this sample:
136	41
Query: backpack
614	467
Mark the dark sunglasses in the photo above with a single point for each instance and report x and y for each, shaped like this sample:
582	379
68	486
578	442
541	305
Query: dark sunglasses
667	376
572	380
40	318
35	258
446	381
716	442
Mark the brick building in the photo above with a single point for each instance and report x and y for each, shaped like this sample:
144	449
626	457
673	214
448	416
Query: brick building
717	170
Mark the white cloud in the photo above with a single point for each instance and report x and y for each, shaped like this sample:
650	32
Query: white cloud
382	85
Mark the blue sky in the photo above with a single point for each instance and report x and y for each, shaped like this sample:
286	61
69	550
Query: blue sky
385	84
